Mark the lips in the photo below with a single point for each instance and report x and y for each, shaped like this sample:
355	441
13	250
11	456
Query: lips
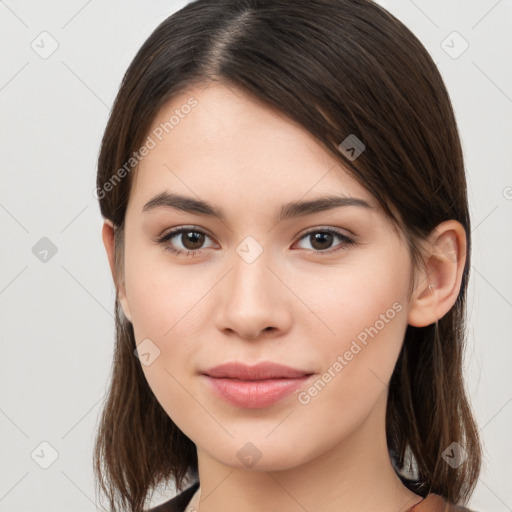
261	371
253	387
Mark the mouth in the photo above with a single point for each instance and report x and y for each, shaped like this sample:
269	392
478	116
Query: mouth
254	387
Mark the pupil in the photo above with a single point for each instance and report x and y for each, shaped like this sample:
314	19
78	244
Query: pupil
194	238
319	237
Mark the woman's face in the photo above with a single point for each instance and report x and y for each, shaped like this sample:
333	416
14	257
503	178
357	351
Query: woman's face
319	290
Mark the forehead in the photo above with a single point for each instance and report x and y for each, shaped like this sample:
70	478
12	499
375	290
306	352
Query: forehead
219	143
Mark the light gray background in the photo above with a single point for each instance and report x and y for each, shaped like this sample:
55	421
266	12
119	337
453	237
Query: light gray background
57	316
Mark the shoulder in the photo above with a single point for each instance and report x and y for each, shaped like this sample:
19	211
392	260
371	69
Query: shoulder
179	502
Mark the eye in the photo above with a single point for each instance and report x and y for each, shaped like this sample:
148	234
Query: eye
191	239
321	238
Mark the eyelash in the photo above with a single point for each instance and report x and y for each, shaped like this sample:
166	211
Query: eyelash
346	241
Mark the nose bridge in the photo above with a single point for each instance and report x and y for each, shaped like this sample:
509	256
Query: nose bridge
252	298
251	278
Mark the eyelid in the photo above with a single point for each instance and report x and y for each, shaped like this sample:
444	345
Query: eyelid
331	229
183	227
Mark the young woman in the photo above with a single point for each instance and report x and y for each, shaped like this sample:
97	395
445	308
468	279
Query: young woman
287	225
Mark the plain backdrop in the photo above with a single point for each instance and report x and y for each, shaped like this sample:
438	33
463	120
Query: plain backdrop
61	65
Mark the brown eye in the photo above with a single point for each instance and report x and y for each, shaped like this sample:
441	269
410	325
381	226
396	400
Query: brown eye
191	240
321	240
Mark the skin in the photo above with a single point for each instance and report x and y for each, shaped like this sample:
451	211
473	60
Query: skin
246	159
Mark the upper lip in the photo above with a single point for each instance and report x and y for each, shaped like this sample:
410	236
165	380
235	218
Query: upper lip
260	371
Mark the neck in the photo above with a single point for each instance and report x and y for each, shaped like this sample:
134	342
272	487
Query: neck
356	475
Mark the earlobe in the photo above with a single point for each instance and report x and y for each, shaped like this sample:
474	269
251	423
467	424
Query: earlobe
109	243
438	285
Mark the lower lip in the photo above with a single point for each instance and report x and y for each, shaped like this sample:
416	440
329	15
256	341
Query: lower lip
254	394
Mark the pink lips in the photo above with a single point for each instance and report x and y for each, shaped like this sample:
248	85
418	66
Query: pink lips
256	386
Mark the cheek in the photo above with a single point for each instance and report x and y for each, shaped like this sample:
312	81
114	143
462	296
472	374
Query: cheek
164	305
358	298
162	298
166	310
365	307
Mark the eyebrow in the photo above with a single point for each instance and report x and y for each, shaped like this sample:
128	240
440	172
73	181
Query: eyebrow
288	210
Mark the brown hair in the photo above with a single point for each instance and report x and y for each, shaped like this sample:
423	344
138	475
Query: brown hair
336	67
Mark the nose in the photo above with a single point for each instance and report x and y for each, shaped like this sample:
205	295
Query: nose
253	301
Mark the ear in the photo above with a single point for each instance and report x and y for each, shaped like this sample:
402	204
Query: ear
438	285
109	243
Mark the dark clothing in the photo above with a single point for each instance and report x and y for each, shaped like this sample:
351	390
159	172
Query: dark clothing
178	503
432	503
